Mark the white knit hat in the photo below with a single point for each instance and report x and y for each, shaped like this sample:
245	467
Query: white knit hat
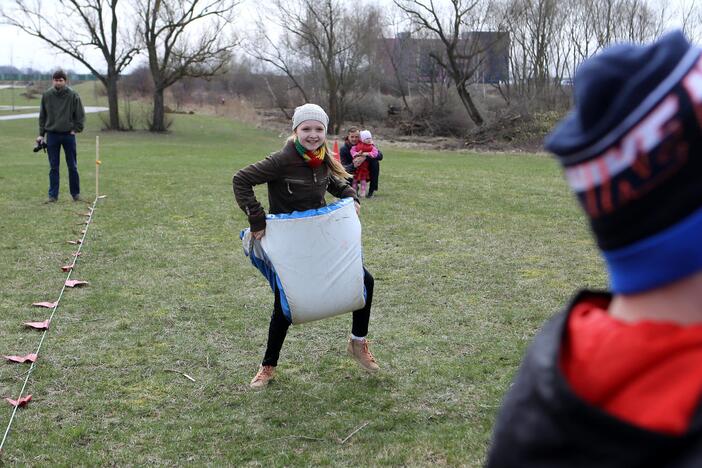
310	112
365	135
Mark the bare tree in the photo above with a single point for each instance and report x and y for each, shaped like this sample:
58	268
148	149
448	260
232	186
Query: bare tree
76	27
450	21
173	53
279	55
538	59
626	20
591	25
690	16
579	26
393	49
324	46
640	22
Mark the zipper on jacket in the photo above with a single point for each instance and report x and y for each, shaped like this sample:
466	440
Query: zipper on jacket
289	181
295	181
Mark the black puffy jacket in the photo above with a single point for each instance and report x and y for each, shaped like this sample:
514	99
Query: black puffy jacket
542	423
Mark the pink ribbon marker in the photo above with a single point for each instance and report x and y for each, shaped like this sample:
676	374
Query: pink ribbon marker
66	268
22	359
21	402
38	325
74	283
48	305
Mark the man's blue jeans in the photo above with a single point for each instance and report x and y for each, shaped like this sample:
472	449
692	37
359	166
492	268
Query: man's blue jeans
54	142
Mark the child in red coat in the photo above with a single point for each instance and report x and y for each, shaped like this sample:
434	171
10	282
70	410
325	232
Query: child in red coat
359	152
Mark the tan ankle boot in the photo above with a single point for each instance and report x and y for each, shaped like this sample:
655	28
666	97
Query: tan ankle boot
358	349
264	375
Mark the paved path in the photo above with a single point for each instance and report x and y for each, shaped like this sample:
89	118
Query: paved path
35	115
18	107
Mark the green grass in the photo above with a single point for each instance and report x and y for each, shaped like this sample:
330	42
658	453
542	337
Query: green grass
470	252
6	98
91	93
17	111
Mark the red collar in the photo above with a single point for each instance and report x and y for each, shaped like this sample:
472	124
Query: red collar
645	373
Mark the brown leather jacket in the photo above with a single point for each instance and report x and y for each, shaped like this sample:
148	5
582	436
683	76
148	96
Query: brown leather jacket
292	186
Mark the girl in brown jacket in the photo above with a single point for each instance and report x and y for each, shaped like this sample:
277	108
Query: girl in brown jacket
298	177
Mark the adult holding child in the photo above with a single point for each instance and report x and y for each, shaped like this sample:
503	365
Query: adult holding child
352	138
298	176
363	152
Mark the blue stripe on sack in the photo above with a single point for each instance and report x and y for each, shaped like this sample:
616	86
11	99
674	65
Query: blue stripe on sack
284	301
663	258
263	265
314	212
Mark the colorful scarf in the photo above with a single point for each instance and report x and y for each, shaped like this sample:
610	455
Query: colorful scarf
313	158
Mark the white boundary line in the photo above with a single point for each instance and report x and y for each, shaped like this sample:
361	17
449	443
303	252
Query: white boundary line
43	335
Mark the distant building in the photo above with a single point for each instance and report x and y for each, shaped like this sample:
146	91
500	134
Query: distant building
485	52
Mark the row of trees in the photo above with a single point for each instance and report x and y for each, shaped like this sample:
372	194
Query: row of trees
181	38
328	50
550	38
546	41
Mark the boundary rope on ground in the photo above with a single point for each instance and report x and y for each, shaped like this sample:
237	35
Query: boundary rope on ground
43	335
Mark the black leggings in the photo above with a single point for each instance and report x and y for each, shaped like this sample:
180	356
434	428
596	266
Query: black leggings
279	323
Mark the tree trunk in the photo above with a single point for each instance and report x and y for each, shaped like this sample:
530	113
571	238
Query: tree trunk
158	116
334	118
113	102
467	101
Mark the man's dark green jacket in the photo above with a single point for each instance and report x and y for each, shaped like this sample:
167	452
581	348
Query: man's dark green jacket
61	111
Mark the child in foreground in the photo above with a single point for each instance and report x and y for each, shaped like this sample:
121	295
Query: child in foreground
615	379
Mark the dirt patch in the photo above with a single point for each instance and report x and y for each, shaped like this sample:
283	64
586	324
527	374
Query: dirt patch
507	133
513	132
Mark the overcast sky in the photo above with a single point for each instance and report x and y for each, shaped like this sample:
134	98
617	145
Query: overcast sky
23	51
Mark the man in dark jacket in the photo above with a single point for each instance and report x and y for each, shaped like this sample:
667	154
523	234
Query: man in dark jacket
352	137
61	116
615	379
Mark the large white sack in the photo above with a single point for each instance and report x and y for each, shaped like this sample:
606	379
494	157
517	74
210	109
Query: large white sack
315	258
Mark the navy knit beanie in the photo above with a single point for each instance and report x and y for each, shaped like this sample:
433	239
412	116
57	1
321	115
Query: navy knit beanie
632	152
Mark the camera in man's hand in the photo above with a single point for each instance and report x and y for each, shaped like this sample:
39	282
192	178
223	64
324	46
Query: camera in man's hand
41	145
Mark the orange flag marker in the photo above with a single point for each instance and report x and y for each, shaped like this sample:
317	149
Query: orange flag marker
335	150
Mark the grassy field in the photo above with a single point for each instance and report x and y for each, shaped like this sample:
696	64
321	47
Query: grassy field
470	252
